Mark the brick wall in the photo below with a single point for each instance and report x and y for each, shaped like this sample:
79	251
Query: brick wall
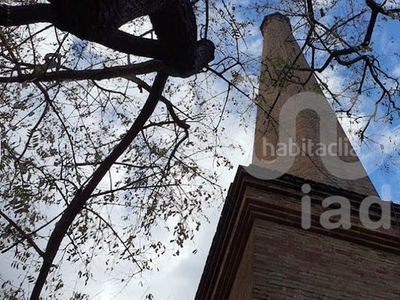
260	250
243	285
292	263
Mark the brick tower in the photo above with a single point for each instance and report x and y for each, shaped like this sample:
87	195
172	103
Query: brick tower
303	221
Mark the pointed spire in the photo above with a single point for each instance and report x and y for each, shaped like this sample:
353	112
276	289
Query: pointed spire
296	130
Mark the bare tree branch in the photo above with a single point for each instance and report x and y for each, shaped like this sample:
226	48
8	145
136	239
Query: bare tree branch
84	193
105	73
23	233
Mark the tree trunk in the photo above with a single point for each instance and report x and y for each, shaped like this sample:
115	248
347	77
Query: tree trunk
27	14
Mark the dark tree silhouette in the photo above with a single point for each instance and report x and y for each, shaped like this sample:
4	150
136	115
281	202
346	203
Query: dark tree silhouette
174	23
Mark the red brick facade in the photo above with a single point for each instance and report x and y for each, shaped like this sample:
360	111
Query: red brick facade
260	250
315	266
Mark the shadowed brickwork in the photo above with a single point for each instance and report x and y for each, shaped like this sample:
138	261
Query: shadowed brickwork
260	250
